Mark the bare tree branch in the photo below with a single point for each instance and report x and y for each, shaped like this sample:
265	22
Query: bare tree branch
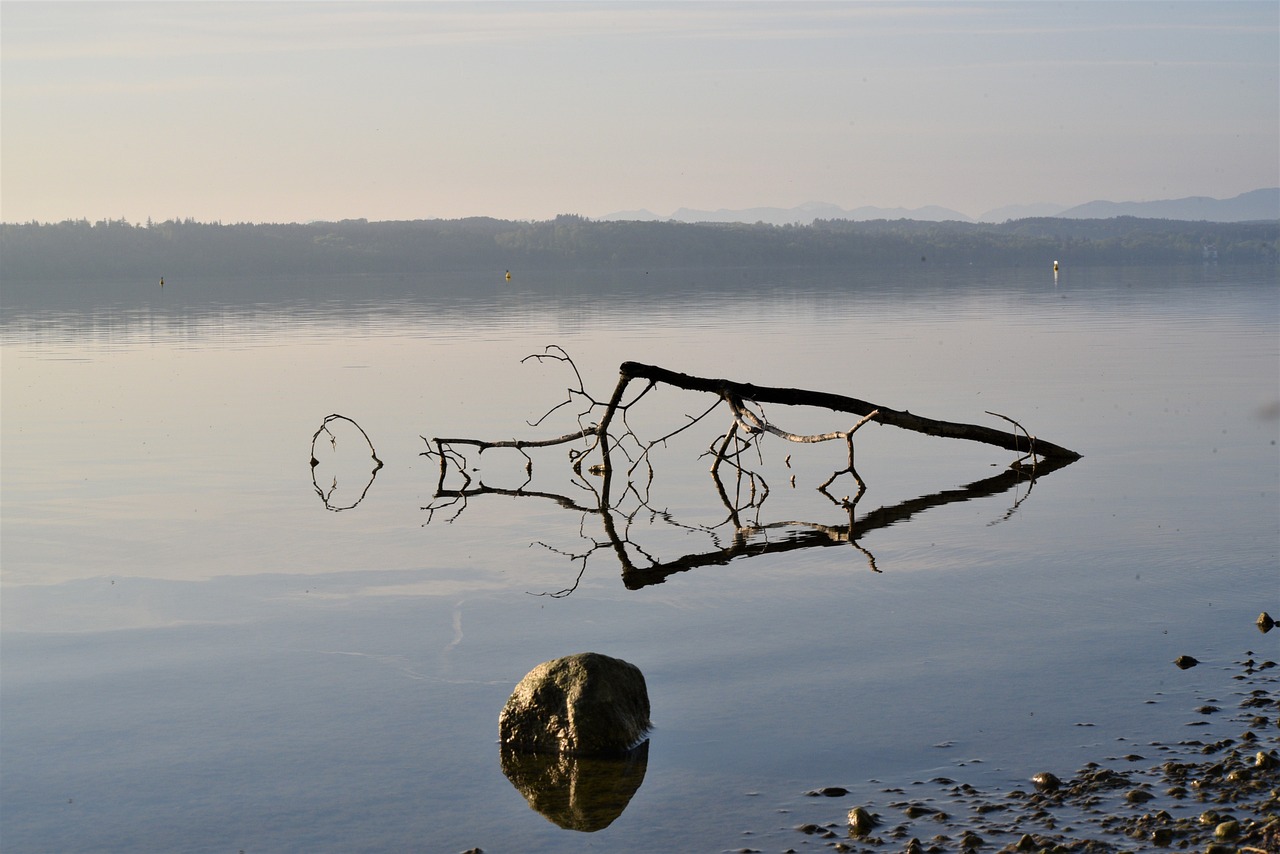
841	403
745	431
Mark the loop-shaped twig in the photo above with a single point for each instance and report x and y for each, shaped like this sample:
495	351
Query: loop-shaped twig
326	496
324	428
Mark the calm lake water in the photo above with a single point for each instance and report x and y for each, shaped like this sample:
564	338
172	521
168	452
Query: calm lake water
206	650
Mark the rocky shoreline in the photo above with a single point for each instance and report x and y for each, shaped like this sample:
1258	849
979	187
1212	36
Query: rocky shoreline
1216	797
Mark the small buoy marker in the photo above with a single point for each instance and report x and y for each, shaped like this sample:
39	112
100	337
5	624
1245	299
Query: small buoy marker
162	281
508	275
1055	266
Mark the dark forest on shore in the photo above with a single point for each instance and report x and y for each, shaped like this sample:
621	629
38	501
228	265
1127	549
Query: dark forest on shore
116	249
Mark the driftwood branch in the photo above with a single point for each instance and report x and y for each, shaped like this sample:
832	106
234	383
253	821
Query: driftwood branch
746	427
324	428
1023	444
603	427
520	444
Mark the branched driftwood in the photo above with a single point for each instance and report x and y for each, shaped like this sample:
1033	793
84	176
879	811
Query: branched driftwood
1024	444
333	440
603	427
738	396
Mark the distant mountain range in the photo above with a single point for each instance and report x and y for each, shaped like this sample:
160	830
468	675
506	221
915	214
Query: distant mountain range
1246	207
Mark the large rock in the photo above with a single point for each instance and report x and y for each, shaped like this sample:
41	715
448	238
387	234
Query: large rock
586	705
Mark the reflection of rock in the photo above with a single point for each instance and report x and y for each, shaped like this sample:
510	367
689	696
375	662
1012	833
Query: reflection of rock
586	704
583	793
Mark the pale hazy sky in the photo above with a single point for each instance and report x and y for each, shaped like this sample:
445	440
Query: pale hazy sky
297	111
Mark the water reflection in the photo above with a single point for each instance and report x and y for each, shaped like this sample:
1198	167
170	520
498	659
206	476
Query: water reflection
584	793
748	538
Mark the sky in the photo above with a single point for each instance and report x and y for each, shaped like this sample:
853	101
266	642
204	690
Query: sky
300	111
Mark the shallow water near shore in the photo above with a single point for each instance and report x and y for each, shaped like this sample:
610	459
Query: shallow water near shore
208	645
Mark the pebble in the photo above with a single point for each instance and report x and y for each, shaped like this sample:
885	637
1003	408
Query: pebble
1227	831
828	792
861	822
1046	782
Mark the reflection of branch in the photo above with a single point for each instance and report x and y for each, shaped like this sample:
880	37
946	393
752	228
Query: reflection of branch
751	540
333	442
818	535
1017	502
456	496
582	558
755	495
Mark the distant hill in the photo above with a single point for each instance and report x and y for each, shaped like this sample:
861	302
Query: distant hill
799	215
1009	212
1246	207
186	249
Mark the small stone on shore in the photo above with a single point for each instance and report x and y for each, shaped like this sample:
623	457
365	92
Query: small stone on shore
1046	782
861	822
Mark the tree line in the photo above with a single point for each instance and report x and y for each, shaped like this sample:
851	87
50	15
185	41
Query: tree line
79	249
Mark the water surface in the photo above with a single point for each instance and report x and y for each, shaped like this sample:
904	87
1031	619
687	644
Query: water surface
200	655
